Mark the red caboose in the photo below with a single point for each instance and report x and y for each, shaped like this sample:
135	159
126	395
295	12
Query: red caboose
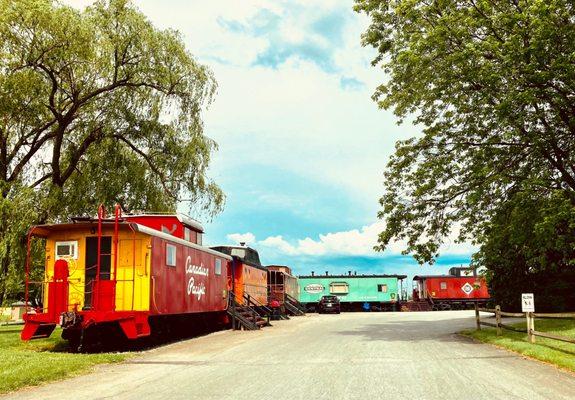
454	291
133	274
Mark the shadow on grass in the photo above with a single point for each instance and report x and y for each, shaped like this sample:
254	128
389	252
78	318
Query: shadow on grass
10	331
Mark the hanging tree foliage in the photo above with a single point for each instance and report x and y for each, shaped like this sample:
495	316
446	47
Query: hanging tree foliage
96	105
493	85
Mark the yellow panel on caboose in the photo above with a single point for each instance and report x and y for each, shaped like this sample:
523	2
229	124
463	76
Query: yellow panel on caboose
133	277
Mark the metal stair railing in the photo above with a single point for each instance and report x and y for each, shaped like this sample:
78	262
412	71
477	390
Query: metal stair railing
237	316
251	302
295	303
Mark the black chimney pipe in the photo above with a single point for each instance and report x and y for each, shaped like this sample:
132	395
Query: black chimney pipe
326	273
312	273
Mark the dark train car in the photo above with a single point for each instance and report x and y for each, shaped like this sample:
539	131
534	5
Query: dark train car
281	282
248	275
454	291
124	272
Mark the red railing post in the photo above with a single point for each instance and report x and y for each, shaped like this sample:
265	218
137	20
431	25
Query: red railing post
117	216
27	283
96	288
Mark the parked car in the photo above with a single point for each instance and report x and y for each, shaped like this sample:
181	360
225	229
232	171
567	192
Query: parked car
329	304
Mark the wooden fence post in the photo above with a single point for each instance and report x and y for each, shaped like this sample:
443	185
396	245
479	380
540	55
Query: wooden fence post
498	319
477	319
530	327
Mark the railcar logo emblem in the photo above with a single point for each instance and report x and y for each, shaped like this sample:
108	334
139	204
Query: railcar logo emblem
467	288
198	289
314	288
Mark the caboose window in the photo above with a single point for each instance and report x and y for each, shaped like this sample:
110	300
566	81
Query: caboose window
199	238
218	268
339	287
67	249
187	234
170	255
443	285
241	253
382	288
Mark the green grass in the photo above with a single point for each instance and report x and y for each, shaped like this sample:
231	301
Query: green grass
551	351
38	361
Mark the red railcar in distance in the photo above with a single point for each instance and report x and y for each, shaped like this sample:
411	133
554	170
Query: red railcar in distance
453	291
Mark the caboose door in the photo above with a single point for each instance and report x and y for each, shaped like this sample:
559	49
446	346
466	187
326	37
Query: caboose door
92	265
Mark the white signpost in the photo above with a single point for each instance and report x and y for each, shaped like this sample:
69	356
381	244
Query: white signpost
527	302
528	307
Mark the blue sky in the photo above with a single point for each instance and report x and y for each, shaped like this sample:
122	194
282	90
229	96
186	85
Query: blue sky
302	146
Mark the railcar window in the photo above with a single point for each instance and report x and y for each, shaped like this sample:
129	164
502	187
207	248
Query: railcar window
67	249
218	268
170	255
241	253
339	287
199	238
443	285
382	288
187	234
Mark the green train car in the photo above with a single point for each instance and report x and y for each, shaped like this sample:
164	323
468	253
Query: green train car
355	292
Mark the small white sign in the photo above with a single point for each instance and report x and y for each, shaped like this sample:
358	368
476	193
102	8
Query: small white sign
527	302
314	288
467	288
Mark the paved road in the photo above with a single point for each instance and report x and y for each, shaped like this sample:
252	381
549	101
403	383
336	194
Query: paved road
349	356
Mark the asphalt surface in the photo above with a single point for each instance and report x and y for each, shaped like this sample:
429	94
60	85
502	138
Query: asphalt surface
348	356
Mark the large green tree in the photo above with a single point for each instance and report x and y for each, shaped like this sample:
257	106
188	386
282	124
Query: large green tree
492	83
96	105
529	246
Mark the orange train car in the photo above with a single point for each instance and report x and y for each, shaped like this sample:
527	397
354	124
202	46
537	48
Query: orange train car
125	272
249	277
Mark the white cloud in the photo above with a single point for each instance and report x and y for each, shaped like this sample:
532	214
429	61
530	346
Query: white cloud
242	237
355	242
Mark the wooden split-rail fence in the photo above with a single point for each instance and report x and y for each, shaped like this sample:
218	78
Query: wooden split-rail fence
529	316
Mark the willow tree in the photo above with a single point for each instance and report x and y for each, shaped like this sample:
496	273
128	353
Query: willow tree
96	105
492	83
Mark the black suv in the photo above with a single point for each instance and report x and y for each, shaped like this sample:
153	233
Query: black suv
328	304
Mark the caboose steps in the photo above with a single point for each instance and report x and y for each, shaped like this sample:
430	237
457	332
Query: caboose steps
245	316
293	307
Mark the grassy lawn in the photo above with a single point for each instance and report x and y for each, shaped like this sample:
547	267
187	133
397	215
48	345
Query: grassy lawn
24	364
552	351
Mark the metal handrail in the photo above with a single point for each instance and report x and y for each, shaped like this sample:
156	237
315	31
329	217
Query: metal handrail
232	305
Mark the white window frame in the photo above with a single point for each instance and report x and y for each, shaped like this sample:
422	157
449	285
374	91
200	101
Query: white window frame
241	253
443	285
187	234
333	285
382	287
74	246
199	238
169	248
218	266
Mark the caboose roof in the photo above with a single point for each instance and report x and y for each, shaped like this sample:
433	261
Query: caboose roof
422	277
183	218
354	276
